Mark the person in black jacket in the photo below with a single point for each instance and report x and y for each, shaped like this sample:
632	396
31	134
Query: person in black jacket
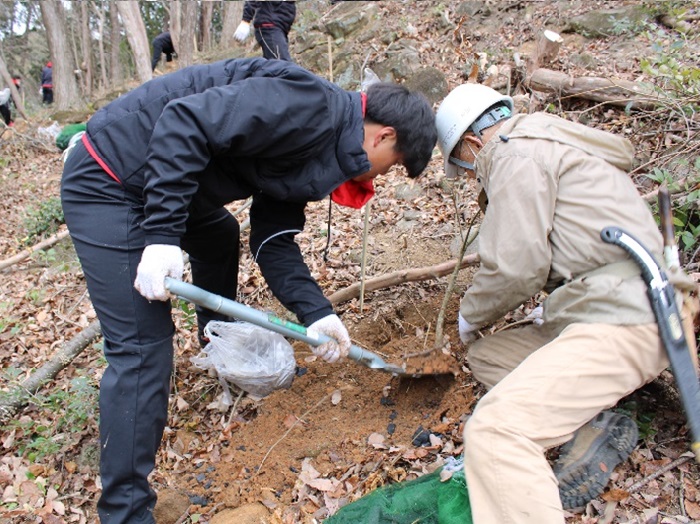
272	22
150	178
162	44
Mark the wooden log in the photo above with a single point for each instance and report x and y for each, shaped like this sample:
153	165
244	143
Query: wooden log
31	250
18	398
654	193
401	276
615	92
679	24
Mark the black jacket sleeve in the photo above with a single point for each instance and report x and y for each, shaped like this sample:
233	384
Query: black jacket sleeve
249	10
250	118
273	227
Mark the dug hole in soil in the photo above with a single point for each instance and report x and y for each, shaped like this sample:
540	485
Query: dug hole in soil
343	421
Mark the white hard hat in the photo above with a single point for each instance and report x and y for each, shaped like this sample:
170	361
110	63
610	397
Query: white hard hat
458	111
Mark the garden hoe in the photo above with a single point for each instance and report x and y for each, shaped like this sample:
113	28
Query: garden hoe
269	321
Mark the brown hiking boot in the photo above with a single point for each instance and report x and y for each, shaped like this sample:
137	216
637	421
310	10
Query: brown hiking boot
589	458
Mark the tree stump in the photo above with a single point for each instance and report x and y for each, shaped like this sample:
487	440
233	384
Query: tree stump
547	48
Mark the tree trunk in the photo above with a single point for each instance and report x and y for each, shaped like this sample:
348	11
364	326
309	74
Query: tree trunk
187	46
205	18
25	55
233	14
136	33
100	13
115	65
13	90
175	26
73	40
615	92
64	85
86	45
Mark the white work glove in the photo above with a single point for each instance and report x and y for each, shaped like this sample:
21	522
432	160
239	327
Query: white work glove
467	331
331	326
157	262
242	31
536	316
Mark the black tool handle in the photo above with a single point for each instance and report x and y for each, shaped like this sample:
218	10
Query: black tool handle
662	297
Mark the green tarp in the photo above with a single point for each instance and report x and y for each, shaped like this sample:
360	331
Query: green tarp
425	500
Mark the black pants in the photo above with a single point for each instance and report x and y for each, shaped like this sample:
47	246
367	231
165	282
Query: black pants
274	43
103	220
157	51
6	114
47	95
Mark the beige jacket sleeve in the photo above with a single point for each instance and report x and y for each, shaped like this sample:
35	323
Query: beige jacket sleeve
513	239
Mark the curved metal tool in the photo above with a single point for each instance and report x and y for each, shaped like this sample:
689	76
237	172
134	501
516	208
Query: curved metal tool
269	321
663	303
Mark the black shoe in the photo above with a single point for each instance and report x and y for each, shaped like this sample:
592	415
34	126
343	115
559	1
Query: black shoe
589	458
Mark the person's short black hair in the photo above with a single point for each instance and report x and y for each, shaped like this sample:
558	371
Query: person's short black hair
411	115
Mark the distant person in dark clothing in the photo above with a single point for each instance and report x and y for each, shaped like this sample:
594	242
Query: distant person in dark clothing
47	83
162	44
6	101
272	22
5	98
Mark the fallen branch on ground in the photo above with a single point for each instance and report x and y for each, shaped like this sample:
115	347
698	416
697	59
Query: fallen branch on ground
616	92
400	277
654	193
31	250
686	457
18	398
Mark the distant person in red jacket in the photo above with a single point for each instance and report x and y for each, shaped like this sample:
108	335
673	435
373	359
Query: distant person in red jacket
47	83
272	22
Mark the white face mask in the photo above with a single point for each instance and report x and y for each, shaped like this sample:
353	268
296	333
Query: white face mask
461	163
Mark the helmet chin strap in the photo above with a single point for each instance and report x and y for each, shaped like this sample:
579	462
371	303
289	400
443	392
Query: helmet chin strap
462	163
490	118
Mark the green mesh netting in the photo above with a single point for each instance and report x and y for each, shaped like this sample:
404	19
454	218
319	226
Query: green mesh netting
66	134
425	500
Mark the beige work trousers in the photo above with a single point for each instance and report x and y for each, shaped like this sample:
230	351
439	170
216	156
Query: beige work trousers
544	385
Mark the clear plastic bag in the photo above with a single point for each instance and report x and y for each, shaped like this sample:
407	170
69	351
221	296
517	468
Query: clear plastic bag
255	359
368	78
49	132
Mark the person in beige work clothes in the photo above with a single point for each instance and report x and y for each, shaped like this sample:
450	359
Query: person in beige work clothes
551	186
